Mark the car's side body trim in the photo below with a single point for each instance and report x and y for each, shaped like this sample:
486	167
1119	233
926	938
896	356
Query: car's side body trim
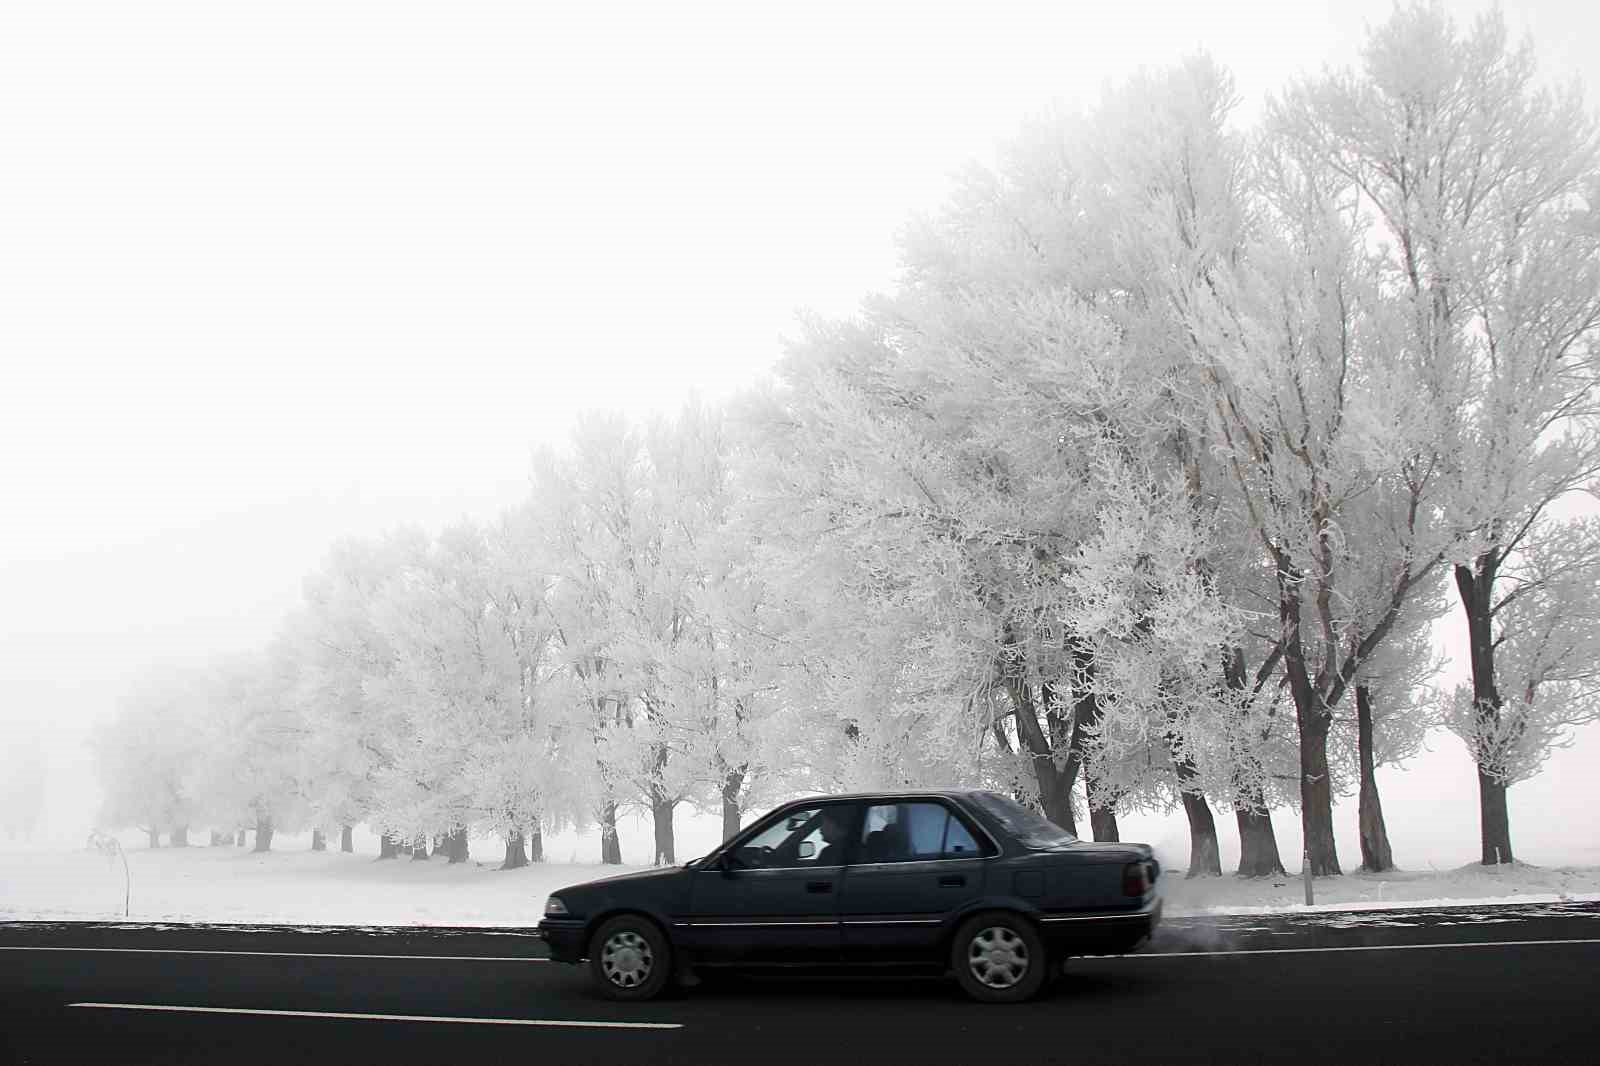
759	925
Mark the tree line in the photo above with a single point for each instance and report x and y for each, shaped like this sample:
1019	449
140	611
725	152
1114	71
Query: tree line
1145	487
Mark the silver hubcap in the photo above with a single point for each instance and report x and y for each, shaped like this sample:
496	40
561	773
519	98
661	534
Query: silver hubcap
998	957
626	959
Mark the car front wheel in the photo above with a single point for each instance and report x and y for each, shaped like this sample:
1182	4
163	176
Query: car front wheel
630	959
998	958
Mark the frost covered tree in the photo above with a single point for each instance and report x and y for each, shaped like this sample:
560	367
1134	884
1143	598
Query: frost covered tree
615	603
1545	642
454	682
1481	189
24	778
721	677
1303	372
1395	707
520	774
149	755
252	773
343	659
577	599
994	450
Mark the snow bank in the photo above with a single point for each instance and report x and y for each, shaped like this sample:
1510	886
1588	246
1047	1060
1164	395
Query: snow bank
300	887
294	887
1467	885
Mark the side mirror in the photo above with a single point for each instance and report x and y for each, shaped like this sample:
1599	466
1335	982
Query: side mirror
724	864
807	849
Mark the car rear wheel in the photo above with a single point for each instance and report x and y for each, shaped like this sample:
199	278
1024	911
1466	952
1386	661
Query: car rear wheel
630	959
998	958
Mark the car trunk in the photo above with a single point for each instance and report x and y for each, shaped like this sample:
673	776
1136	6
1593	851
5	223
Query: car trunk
1087	876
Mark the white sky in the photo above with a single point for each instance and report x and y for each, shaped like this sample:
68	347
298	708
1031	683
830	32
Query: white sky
274	273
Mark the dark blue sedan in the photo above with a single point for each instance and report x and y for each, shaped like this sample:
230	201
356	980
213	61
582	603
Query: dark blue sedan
970	883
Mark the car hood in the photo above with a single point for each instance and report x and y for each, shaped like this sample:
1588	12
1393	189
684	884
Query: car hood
661	874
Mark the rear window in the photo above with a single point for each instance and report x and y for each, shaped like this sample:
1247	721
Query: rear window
1031	829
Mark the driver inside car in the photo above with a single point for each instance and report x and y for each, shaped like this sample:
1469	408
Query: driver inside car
833	833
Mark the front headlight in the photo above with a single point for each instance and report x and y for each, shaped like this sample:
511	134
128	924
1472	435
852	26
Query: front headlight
554	908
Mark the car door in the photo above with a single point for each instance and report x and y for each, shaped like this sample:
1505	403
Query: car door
915	862
776	901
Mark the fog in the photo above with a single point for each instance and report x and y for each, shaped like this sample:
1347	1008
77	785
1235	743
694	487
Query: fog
298	271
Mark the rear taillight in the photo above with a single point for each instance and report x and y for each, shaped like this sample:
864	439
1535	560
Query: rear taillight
1135	879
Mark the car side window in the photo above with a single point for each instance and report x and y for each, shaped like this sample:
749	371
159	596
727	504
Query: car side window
958	842
914	832
812	836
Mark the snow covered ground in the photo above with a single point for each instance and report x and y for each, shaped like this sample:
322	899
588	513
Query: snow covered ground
297	886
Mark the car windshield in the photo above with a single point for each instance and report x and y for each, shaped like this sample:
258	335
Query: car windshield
1031	830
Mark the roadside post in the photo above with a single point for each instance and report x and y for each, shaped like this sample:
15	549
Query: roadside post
109	846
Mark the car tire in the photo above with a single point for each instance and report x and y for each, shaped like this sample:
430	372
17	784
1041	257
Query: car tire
630	958
998	957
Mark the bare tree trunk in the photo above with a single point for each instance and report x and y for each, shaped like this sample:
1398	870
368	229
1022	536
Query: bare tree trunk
1476	587
419	848
1055	787
1085	716
238	840
319	840
610	844
1205	858
661	810
1316	800
457	846
516	857
536	841
732	782
1314	718
154	837
263	833
1496	820
347	841
1102	821
180	837
1258	844
1376	855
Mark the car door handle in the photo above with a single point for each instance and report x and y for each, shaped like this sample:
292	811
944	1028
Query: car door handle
819	886
953	881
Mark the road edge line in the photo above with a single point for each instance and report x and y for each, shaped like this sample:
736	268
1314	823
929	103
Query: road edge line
552	1023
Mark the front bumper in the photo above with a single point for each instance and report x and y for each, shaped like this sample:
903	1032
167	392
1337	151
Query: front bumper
564	937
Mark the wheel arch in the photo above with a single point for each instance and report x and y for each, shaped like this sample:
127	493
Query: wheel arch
624	910
1007	904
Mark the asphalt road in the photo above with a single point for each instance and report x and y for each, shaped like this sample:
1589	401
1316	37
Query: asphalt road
1460	985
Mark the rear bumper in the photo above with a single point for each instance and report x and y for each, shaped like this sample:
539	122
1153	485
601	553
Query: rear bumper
1102	932
564	937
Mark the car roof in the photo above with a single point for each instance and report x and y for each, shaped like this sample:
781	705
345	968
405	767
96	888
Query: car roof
900	793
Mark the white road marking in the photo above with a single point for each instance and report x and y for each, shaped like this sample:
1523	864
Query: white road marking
289	954
1351	947
542	1022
